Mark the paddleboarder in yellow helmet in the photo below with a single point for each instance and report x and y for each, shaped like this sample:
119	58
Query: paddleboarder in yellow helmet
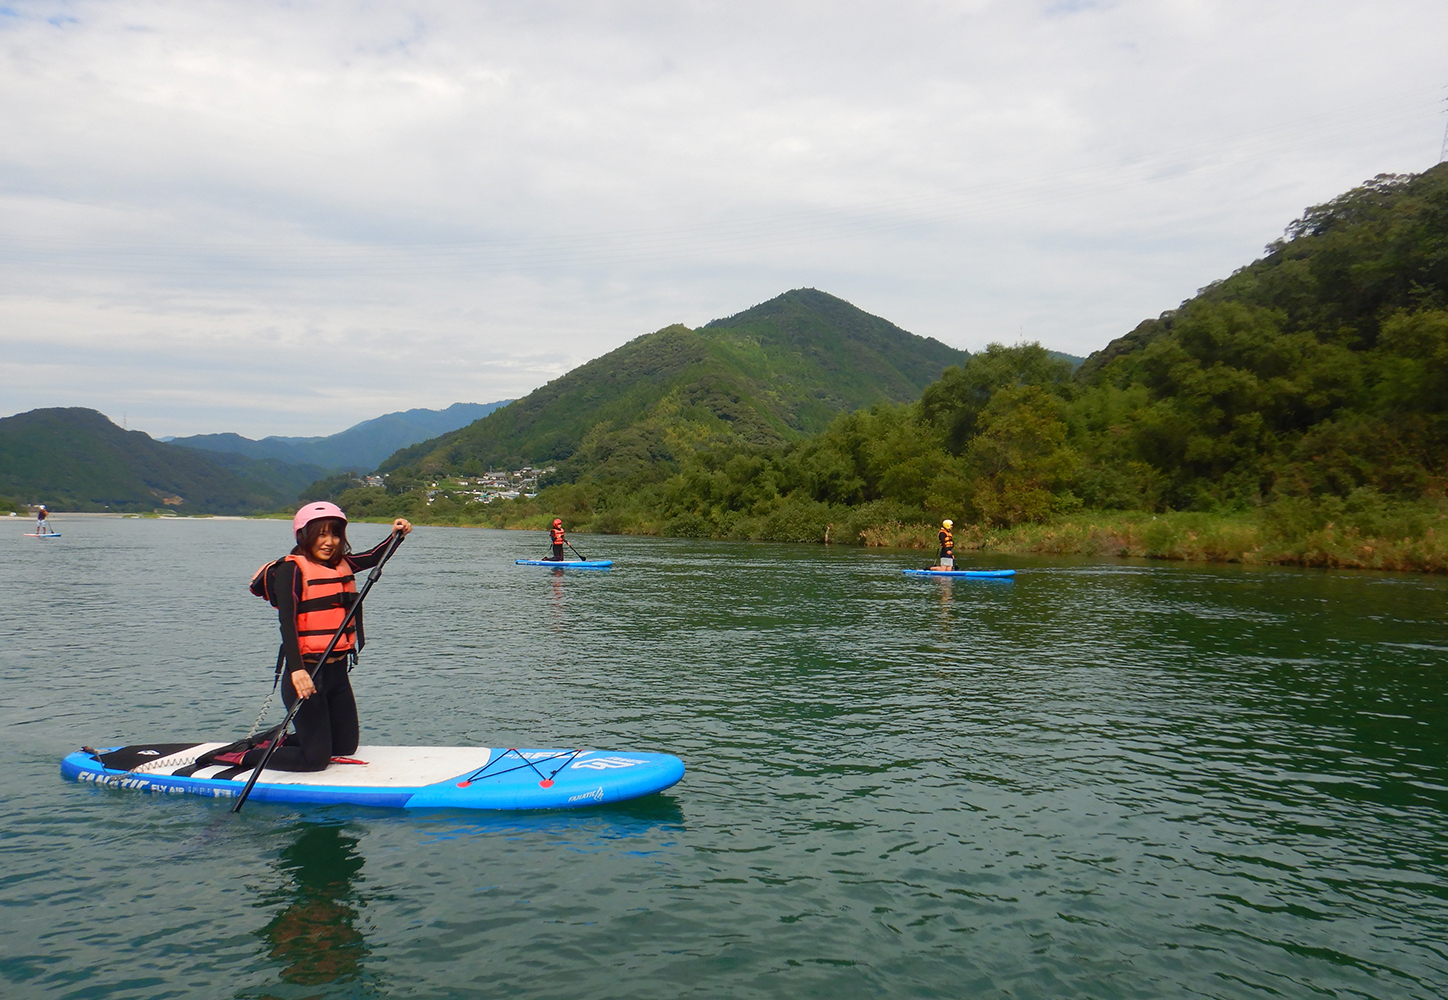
947	544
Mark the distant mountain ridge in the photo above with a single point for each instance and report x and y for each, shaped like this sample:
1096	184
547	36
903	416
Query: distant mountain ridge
76	459
360	447
775	372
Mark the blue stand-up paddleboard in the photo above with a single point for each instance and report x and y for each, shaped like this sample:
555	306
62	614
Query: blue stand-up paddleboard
42	534
395	777
567	563
986	574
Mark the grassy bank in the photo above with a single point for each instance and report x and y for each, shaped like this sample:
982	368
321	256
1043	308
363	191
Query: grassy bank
1365	530
1420	545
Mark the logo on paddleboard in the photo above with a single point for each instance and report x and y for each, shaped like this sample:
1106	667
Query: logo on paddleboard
148	753
605	763
594	796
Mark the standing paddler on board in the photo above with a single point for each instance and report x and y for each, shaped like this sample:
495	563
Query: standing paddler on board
947	545
42	521
312	588
557	539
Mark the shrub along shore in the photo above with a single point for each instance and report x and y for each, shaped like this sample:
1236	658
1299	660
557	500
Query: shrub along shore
1364	531
1198	537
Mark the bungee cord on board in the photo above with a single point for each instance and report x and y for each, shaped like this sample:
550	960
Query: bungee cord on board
546	780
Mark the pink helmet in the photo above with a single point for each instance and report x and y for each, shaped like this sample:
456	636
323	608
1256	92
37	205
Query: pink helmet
315	512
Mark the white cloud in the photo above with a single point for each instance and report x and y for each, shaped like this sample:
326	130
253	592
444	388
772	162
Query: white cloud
283	218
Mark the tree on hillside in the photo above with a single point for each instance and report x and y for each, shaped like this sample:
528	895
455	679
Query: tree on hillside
953	403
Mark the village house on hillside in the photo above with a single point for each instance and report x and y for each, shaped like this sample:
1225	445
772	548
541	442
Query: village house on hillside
490	486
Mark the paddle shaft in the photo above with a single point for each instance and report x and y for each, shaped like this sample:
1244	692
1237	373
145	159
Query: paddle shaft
281	731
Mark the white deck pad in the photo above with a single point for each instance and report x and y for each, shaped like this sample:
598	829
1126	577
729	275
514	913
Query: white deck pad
386	767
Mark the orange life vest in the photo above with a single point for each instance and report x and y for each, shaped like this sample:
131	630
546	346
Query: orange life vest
556	534
322	606
947	540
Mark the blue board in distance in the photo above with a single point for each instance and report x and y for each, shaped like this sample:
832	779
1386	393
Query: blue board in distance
567	563
989	574
394	777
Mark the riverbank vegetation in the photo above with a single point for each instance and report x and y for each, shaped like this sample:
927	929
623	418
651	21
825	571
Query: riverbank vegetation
1295	412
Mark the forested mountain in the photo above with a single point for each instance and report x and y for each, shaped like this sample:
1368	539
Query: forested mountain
359	447
1308	390
1320	369
1318	372
76	459
1307	393
772	374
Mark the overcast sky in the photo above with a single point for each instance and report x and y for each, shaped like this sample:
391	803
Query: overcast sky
283	218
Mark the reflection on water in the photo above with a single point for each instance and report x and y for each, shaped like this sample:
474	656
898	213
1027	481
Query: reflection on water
947	591
560	621
314	935
657	816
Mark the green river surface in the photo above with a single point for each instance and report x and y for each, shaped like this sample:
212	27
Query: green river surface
1103	779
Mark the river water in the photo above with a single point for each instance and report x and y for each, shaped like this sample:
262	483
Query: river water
1100	780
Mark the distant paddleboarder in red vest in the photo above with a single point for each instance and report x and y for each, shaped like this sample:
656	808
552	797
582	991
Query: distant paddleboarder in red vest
310	589
555	536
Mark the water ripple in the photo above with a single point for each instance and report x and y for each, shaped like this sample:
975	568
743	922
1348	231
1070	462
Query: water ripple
1098	780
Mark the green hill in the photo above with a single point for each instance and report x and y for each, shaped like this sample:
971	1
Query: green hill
774	373
77	459
1295	411
1320	369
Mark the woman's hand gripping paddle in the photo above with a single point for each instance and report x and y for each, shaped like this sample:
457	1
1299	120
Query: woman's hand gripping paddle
281	731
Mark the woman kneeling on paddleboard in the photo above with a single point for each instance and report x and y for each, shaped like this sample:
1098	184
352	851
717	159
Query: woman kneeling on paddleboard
312	588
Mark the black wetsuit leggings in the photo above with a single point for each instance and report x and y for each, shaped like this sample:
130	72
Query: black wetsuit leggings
557	551
326	723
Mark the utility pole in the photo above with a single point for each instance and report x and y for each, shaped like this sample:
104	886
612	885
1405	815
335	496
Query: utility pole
1443	152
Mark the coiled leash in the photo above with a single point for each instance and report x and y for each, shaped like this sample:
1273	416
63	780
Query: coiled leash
276	680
